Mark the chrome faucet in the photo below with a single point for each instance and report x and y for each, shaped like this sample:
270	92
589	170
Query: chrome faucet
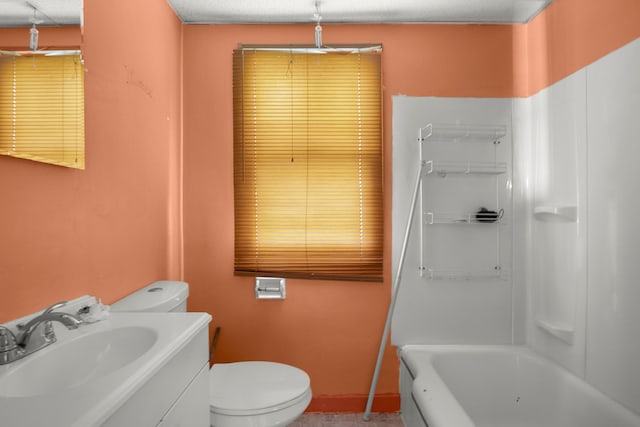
27	341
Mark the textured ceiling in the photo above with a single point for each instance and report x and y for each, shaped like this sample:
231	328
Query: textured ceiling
357	11
20	13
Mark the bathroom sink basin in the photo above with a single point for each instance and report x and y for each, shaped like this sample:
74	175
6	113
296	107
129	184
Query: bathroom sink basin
74	362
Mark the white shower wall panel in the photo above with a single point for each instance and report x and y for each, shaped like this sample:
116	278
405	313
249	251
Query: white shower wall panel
581	136
445	311
523	206
613	335
556	297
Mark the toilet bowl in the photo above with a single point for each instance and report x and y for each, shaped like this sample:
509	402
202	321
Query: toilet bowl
241	394
257	394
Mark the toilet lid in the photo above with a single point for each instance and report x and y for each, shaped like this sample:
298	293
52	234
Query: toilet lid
255	386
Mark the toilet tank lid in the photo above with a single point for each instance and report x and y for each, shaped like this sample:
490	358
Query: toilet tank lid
160	296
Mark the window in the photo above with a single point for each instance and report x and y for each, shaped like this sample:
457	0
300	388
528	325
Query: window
42	107
308	163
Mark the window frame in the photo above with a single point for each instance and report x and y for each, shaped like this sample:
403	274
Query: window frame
369	265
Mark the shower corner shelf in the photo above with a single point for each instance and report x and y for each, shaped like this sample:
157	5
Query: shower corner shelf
556	213
563	333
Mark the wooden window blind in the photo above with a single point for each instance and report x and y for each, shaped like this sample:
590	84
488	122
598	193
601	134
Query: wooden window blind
42	108
308	164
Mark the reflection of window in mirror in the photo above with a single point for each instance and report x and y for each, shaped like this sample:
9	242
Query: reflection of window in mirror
42	107
41	89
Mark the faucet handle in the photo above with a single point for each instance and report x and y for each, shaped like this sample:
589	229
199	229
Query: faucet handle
9	350
55	306
7	339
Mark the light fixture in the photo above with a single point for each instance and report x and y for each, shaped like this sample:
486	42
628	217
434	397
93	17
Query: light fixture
33	33
317	17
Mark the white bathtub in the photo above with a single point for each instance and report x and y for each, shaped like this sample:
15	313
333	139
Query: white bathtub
499	386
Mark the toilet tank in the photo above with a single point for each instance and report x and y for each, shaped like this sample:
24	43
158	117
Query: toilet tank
161	296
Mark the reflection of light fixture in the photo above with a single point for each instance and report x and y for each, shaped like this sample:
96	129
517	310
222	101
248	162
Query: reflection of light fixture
33	33
318	27
33	39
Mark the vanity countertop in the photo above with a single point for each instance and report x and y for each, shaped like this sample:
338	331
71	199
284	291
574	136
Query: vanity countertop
95	393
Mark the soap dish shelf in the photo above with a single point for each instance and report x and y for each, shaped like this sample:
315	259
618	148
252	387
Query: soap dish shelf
567	213
563	333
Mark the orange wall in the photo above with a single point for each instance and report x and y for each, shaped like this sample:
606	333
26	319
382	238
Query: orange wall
330	329
106	230
568	36
117	225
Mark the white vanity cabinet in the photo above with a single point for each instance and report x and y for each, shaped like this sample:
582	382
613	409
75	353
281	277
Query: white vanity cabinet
131	369
178	395
189	409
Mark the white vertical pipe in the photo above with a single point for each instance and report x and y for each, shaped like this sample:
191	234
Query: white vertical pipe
394	296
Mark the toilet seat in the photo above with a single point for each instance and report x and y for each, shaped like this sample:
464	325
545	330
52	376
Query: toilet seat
254	388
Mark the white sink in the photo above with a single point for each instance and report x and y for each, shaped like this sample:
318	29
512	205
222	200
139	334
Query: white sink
93	375
76	361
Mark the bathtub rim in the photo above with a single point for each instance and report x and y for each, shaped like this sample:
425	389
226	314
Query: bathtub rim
428	376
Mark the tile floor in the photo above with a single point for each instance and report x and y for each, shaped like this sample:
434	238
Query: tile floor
348	420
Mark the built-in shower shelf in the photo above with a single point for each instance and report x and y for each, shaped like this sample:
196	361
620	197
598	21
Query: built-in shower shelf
556	213
462	133
489	273
562	332
434	218
444	168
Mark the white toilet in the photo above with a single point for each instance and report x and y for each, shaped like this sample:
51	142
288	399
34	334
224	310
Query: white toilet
241	394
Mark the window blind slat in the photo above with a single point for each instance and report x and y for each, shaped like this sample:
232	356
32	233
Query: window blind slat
308	165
